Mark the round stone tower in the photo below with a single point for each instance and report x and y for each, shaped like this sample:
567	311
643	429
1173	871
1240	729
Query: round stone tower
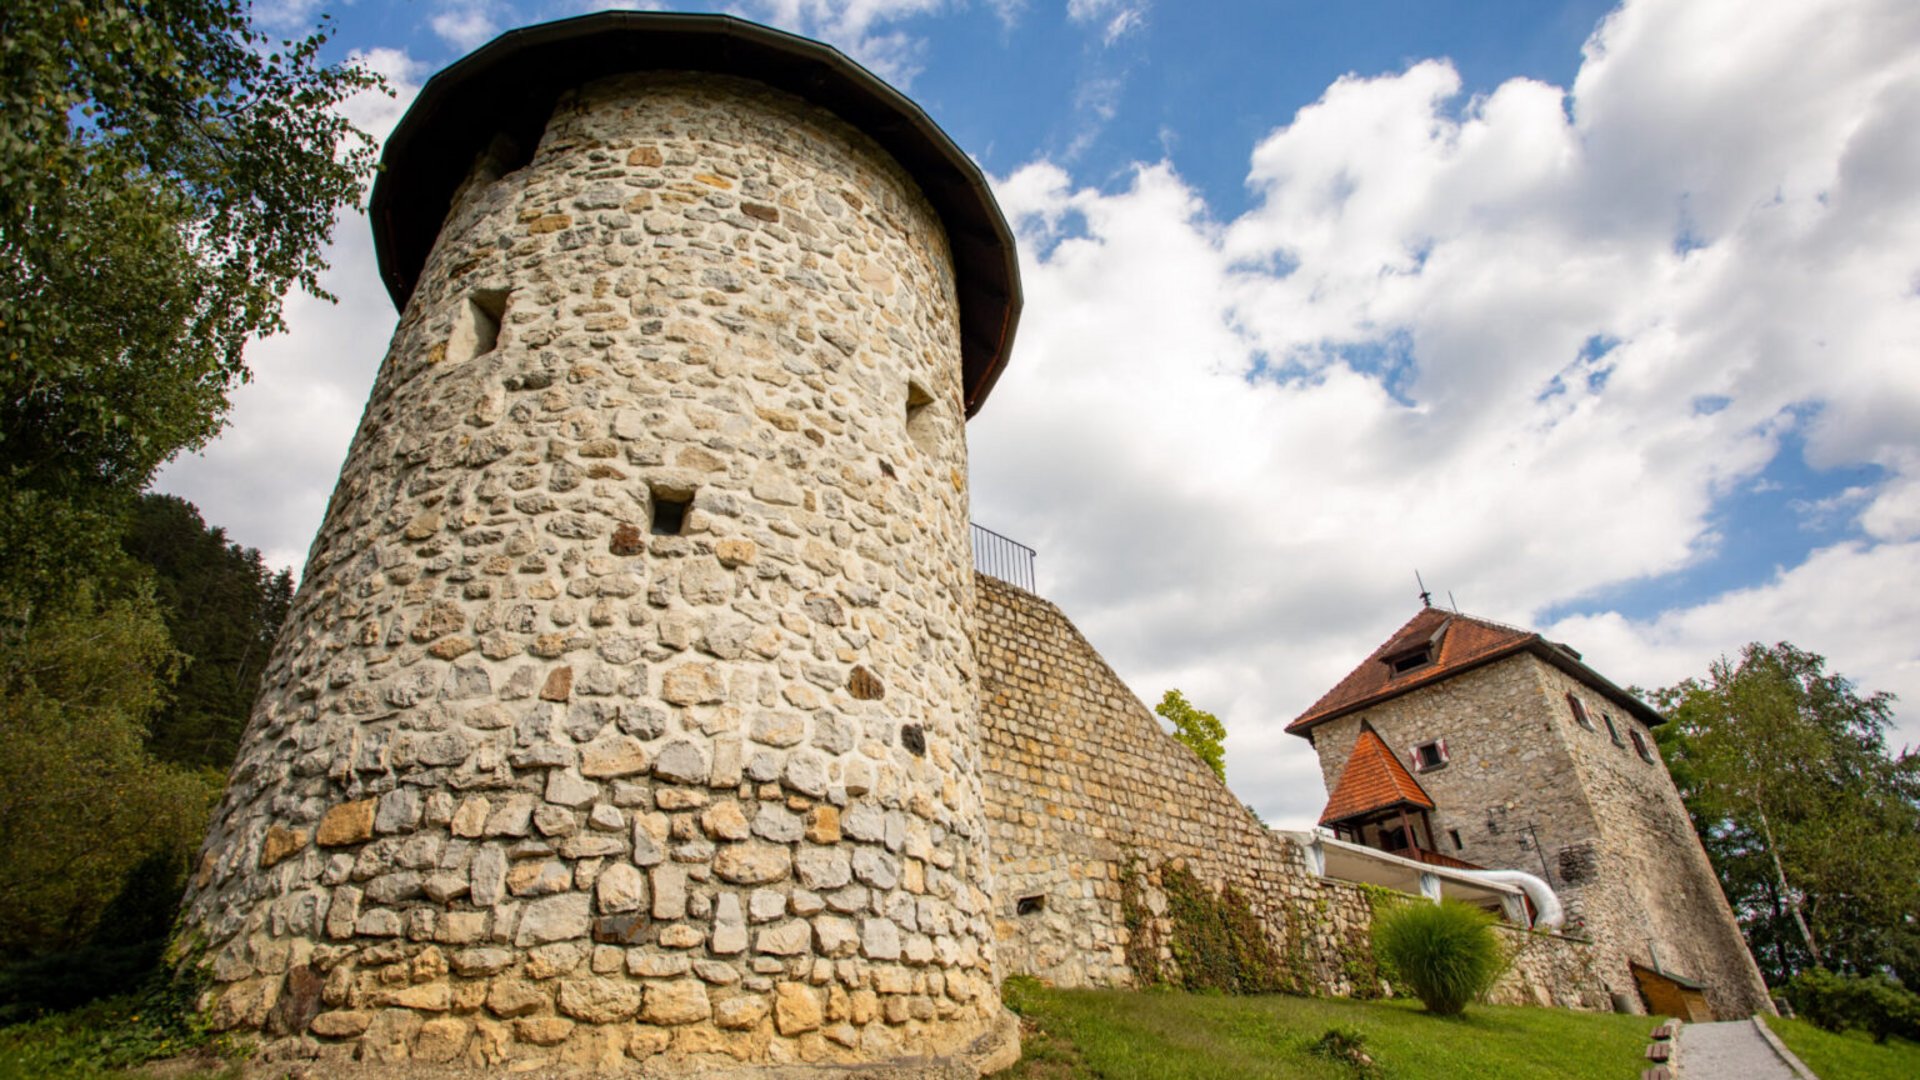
627	705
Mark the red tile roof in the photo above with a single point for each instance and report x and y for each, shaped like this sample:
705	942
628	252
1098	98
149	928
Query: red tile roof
1458	643
1373	780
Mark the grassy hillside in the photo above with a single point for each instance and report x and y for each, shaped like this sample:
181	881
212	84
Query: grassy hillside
1155	1035
1848	1056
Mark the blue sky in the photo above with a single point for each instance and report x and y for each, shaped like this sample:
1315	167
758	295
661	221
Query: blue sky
1604	317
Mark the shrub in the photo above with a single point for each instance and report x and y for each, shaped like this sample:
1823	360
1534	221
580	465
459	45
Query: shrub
1349	1047
1446	953
1873	1003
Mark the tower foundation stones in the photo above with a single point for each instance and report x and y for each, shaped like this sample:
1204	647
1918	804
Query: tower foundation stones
584	743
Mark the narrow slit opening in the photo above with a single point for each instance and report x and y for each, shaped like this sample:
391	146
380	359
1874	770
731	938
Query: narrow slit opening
921	420
1030	905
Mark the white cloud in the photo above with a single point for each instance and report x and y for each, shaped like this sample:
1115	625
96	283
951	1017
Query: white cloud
1524	343
286	16
1116	18
859	28
467	24
1233	441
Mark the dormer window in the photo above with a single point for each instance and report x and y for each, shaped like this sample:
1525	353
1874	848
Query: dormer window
1411	661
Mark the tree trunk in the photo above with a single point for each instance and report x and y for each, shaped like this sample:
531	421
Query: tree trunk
1793	902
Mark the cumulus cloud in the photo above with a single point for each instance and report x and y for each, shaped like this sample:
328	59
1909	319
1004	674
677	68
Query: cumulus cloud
1525	342
861	28
467	24
1528	342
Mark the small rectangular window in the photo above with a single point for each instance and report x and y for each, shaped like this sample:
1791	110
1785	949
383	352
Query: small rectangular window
1411	661
1612	732
670	512
1430	756
1640	746
1454	835
1579	711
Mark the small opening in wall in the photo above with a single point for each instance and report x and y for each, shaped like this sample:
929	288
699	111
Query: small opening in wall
476	329
669	511
1612	732
1454	835
920	418
1430	756
1030	905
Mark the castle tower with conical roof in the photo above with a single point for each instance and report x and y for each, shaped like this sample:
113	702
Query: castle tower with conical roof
627	707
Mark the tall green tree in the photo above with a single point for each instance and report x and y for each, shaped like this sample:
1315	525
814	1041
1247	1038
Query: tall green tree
1200	731
223	607
1807	815
167	174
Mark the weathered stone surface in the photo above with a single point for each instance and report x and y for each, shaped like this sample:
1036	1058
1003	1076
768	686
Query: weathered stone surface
341	1024
441	1040
796	1008
741	1013
729	925
611	756
784	939
752	863
599	1000
281	842
554	918
620	888
509	998
681	762
681	1001
347	823
823	825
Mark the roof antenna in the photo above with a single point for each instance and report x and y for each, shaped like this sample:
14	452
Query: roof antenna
1452	603
1426	598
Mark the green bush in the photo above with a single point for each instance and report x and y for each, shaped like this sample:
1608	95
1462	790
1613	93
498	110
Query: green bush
1874	1003
1446	953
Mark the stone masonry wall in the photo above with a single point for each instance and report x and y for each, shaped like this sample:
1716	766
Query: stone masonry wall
627	704
1660	890
1527	788
1081	782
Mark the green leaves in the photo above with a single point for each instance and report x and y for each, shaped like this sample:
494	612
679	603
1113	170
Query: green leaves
1201	732
165	179
1805	814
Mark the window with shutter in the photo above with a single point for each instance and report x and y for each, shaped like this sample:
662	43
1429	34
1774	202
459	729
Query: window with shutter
1579	711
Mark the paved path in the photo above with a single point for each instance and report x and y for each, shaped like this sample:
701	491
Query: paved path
1730	1050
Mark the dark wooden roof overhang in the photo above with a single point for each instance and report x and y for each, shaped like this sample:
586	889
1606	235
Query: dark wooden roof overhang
509	87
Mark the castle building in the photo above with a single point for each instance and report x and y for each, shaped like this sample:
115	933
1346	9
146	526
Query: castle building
626	708
1462	742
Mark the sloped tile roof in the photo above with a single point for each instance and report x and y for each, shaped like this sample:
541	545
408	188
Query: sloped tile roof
1373	780
1458	643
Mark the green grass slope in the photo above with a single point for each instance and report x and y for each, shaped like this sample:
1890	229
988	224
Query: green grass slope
1848	1056
1119	1035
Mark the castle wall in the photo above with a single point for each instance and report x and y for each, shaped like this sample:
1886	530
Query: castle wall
527	782
1082	784
1527	788
1656	889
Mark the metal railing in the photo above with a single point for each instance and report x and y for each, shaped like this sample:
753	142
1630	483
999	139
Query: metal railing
996	556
